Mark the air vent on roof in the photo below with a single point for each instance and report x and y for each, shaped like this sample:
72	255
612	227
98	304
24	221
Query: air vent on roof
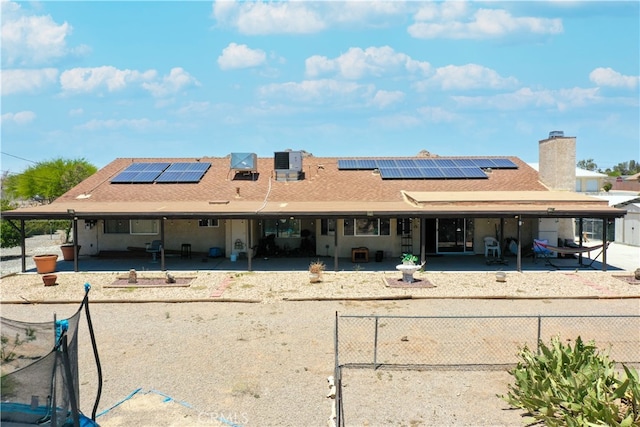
244	161
556	134
288	165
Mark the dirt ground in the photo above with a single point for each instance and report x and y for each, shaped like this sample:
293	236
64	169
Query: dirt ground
199	364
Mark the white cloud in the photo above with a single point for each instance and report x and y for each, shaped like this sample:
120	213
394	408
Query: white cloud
259	18
469	76
612	78
302	17
98	78
20	118
437	114
177	80
357	63
454	20
384	98
237	56
30	39
397	121
560	100
318	91
130	124
21	81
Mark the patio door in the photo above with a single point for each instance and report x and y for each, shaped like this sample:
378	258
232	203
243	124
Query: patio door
455	235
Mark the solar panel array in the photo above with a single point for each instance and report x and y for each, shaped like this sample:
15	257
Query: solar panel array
184	172
147	173
438	168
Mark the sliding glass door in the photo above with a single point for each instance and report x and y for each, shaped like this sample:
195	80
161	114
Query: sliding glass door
455	235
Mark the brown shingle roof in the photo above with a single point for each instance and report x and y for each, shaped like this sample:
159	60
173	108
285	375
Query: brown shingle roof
324	189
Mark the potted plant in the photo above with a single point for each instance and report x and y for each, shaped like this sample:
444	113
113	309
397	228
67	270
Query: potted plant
45	263
410	259
315	271
68	253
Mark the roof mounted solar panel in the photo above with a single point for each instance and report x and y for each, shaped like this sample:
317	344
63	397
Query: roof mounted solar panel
444	163
452	173
504	164
390	173
184	172
484	163
140	173
474	172
464	163
425	163
347	164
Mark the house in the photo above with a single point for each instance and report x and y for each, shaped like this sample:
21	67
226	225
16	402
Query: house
296	204
587	181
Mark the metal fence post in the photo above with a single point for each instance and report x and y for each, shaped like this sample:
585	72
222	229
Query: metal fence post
375	343
539	334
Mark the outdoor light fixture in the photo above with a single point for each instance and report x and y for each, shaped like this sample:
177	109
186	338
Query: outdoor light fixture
550	210
71	211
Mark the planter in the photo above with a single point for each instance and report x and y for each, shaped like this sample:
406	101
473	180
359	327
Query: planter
49	279
67	252
314	277
501	276
45	263
407	271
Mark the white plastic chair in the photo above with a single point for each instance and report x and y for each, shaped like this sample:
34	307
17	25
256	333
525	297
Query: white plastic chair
491	246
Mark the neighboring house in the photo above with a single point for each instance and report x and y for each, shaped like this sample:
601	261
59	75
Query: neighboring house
292	205
627	228
626	183
586	181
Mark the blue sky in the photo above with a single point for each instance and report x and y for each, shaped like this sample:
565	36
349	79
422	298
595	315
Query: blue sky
102	80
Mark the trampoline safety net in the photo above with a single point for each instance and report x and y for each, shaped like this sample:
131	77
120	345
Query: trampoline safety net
39	365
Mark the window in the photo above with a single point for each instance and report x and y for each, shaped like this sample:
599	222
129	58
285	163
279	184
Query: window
327	227
208	223
366	227
116	226
144	226
282	227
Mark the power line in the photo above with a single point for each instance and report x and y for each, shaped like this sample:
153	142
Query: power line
19	158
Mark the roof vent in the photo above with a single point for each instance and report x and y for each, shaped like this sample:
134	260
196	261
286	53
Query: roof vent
288	165
556	134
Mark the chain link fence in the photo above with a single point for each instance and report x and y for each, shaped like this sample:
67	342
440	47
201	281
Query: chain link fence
469	342
406	341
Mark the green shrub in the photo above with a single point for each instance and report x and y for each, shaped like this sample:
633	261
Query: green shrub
574	386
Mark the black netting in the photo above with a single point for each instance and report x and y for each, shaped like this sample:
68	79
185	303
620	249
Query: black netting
39	374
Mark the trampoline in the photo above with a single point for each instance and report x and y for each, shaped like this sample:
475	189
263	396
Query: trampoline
39	381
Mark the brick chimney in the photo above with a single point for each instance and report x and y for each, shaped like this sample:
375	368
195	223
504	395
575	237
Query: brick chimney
557	161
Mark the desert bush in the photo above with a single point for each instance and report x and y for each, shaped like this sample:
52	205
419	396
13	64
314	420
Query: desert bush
562	385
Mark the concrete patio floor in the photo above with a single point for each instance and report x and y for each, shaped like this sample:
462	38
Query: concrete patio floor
619	258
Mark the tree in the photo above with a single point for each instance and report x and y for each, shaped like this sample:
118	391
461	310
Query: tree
588	164
9	235
48	180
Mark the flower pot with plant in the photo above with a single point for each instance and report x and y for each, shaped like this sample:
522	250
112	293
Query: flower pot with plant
315	271
68	252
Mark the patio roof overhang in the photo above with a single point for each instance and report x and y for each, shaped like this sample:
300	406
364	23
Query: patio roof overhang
552	204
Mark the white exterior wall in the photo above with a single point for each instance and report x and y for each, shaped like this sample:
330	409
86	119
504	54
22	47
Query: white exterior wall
628	227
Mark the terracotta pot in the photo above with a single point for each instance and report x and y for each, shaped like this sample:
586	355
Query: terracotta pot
49	279
45	263
67	252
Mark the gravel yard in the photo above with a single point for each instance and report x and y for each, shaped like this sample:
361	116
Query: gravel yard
255	349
